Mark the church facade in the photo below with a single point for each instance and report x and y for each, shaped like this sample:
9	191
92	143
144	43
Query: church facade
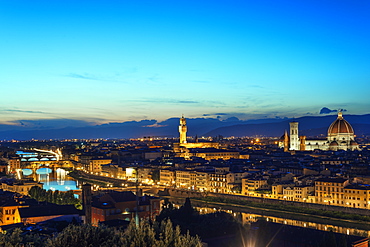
340	137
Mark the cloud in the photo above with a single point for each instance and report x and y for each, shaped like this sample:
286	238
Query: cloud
83	76
232	119
86	76
23	111
326	110
170	101
156	125
187	102
215	114
54	123
140	123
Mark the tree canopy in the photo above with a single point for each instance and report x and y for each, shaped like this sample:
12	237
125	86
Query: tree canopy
144	235
57	197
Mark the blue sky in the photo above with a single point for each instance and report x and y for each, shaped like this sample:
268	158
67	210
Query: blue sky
115	61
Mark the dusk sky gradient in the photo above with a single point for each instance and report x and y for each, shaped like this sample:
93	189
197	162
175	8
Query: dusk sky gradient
115	61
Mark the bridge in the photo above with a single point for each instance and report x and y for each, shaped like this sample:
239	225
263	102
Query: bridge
39	155
35	159
53	164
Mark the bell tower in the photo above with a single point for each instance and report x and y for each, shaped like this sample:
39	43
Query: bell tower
294	138
183	129
286	141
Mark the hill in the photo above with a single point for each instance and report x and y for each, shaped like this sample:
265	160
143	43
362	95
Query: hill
309	126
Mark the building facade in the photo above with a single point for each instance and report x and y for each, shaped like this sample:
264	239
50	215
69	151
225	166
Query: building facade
340	137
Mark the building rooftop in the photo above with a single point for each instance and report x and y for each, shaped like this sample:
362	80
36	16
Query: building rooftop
47	210
332	180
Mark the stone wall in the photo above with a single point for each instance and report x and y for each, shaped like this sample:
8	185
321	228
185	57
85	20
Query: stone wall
196	194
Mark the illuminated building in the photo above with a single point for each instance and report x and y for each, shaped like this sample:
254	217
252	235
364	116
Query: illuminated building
330	191
303	193
218	183
210	153
9	213
114	170
357	196
278	189
167	177
340	137
14	164
21	187
251	185
205	150
95	165
184	144
186	179
294	138
182	130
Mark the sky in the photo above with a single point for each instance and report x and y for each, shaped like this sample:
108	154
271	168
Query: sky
115	61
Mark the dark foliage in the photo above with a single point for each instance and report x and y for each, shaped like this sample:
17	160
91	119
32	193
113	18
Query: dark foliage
61	198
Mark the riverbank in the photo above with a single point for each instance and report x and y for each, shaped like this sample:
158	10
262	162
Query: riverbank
248	215
258	209
79	176
288	208
278	210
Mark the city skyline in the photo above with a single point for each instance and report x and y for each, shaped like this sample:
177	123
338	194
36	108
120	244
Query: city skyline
78	63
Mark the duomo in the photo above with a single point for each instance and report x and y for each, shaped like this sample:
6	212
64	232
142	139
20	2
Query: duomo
340	137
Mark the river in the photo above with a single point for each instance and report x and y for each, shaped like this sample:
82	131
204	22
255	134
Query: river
59	180
52	180
250	215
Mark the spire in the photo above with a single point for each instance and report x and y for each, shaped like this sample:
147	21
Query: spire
286	141
340	114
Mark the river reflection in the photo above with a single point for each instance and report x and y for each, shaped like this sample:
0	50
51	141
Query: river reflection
248	218
52	179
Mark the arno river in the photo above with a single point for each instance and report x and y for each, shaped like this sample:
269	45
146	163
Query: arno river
249	217
52	180
59	180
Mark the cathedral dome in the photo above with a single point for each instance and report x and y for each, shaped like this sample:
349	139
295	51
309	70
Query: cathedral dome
340	126
353	143
333	144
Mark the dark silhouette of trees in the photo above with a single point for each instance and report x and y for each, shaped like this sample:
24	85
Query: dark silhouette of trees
57	197
145	235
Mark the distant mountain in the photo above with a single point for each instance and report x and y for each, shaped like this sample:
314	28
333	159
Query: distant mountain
131	129
309	126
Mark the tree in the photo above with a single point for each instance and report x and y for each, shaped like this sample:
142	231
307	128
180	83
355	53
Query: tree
171	237
35	192
11	239
15	238
237	189
186	211
144	235
84	236
61	198
155	175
